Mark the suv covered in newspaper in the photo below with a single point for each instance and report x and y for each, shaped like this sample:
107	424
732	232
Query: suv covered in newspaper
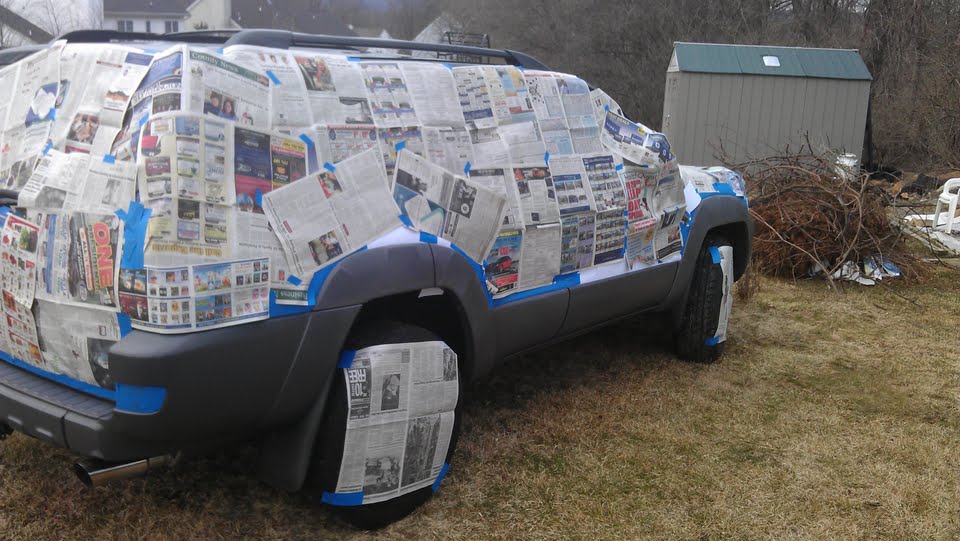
313	244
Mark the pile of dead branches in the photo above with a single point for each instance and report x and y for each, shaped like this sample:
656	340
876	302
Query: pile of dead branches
812	217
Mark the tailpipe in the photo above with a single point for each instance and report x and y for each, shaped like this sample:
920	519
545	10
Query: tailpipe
94	473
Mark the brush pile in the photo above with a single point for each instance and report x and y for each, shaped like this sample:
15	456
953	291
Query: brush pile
813	216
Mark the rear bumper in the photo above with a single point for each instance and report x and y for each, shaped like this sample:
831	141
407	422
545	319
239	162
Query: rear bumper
221	385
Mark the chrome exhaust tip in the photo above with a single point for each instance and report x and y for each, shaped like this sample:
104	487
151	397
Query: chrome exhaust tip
94	473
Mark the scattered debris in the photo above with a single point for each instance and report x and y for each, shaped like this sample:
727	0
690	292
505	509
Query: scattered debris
810	217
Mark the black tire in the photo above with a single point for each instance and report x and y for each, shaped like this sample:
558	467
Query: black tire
701	313
328	451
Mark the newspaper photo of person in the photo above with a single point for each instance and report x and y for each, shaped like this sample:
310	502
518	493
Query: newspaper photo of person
390	397
316	73
84	128
325	247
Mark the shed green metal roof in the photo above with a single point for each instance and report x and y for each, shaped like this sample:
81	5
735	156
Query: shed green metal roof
749	59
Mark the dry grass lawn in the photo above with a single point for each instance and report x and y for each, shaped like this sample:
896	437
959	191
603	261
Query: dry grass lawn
831	417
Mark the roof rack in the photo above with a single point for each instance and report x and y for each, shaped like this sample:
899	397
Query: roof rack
285	39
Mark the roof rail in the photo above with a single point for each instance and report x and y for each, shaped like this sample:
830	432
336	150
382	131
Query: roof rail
284	39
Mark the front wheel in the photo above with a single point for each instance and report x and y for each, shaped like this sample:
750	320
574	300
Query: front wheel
703	323
391	424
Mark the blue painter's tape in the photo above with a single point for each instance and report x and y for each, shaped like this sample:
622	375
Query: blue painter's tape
137	399
220	51
259	198
466	169
53	114
546	157
353	59
569	279
723	188
715	255
400	146
405	220
520	68
60	378
143	120
123	321
307	140
448	66
329	167
428	238
685	232
606	107
346	358
273	77
47	147
443	473
342	499
527	294
619	167
294	280
713	340
135	221
109	158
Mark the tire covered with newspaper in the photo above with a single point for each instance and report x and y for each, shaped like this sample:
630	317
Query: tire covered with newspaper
399	477
702	332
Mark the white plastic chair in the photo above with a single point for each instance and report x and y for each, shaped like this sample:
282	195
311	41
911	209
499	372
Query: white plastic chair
948	197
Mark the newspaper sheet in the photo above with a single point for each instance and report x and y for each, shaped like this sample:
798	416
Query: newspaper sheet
196	297
577	242
547	103
524	141
255	238
390	100
338	142
265	161
409	138
538	197
335	88
160	89
669	192
19	243
97	82
726	266
502	264
401	402
449	148
489	149
540	259
610	233
28	93
289	105
605	182
630	140
323	217
186	178
475	103
501	181
79	258
641	251
641	185
574	195
602	102
668	239
577	105
75	341
227	90
70	182
448	206
509	95
434	93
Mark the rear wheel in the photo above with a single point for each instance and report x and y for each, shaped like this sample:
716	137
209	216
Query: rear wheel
703	323
390	472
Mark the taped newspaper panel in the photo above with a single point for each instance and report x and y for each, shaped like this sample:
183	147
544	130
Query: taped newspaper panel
574	194
335	89
227	90
577	242
28	94
390	100
289	103
79	182
521	260
265	161
83	352
324	217
538	197
401	402
605	182
255	238
448	206
726	304
450	148
501	181
610	233
97	84
392	140
337	142
434	93
79	258
19	244
186	178
196	297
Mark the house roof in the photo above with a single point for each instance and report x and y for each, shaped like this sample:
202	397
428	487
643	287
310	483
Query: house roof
296	15
156	7
23	26
762	60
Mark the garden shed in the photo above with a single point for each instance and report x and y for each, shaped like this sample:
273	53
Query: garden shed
750	101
